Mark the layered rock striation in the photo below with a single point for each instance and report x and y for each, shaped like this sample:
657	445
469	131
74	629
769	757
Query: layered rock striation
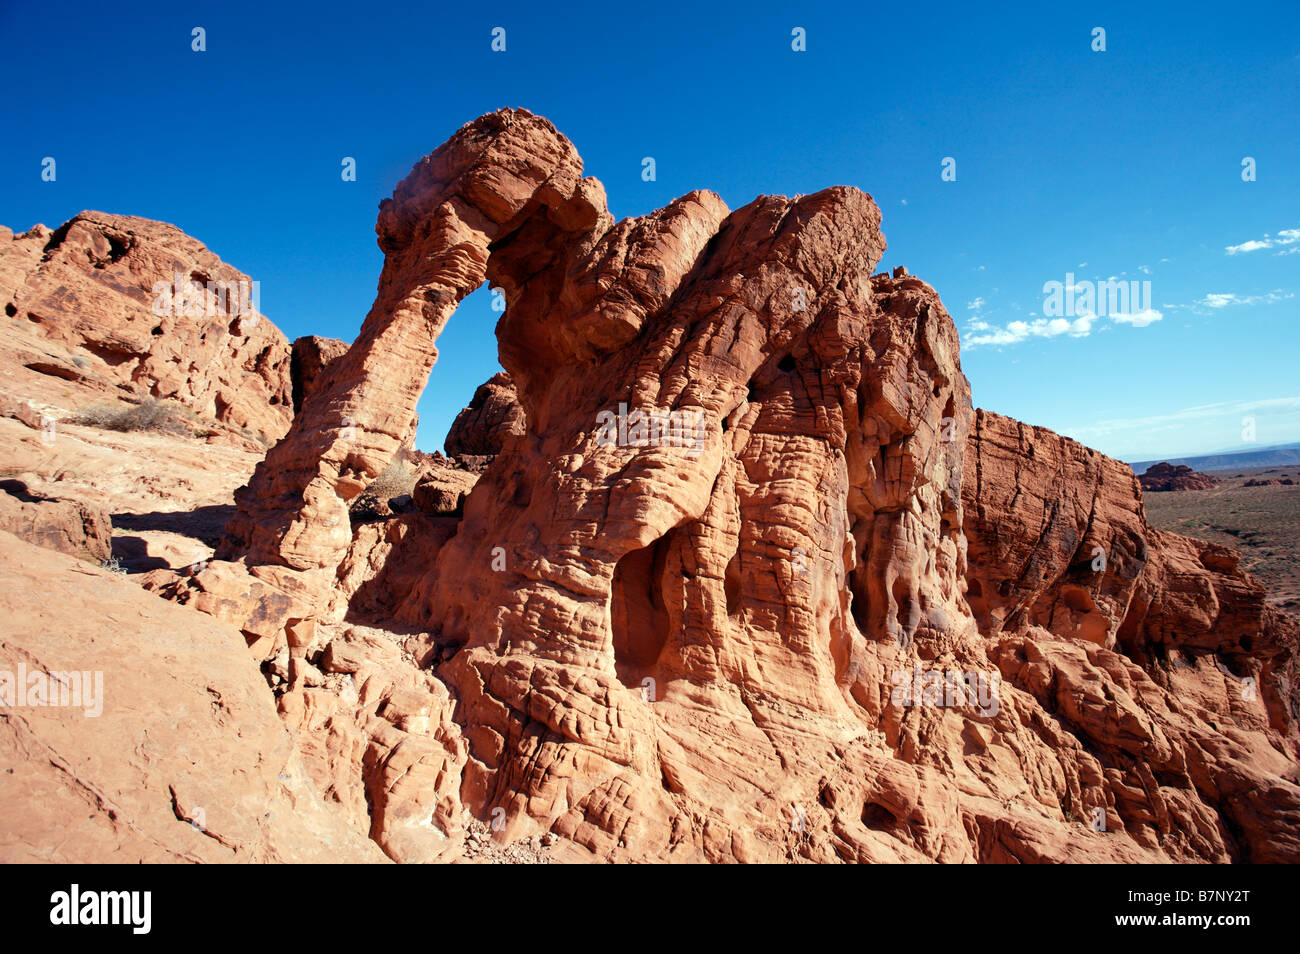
139	308
747	577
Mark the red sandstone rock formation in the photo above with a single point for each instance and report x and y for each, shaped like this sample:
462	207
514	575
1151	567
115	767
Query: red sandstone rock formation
753	580
167	747
1154	651
68	526
492	416
310	356
94	288
1166	477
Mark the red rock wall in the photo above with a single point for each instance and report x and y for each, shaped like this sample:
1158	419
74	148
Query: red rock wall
705	651
90	285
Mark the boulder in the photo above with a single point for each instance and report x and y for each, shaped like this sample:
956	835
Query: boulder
164	744
69	526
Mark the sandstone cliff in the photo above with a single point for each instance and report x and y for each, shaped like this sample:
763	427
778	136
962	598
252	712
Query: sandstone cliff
747	576
130	306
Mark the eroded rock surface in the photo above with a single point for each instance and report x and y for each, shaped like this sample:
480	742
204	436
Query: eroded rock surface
1167	477
747	577
165	748
310	356
491	417
68	526
128	305
1155	651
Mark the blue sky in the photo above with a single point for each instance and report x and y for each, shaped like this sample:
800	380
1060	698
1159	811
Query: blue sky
1125	163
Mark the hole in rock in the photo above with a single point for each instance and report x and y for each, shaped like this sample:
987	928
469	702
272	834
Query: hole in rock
731	584
638	613
1078	599
903	601
467	357
859	605
117	250
110	354
787	363
523	492
878	817
858	586
978	604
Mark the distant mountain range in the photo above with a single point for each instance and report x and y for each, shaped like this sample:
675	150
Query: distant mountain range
1278	455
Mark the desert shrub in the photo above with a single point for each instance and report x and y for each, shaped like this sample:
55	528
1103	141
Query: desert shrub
256	436
150	414
397	478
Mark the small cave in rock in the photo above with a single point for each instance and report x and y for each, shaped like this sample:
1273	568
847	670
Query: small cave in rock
117	250
787	363
858	587
979	605
639	616
731	585
1077	599
857	580
903	601
878	817
522	495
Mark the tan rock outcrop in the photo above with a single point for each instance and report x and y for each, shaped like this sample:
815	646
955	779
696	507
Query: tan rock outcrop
68	526
164	745
507	174
151	312
309	358
753	580
1154	650
1166	477
492	416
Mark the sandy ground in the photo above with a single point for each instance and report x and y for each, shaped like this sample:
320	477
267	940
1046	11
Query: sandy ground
1262	523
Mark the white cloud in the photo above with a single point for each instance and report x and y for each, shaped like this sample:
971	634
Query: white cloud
1102	429
1138	319
975	305
1254	245
1144	269
1284	237
1217	300
1016	332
